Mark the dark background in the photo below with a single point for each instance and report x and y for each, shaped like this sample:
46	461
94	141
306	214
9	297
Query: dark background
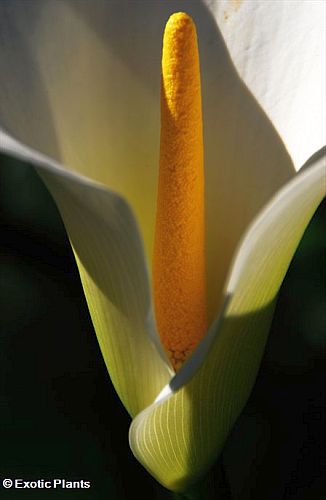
59	414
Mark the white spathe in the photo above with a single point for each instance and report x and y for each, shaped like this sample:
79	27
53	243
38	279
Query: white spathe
79	99
279	50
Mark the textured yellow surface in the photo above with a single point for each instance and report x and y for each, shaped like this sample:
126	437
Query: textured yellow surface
179	249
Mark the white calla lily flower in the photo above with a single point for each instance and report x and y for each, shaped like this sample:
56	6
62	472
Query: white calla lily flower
79	99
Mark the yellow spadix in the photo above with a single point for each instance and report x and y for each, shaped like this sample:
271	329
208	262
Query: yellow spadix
179	283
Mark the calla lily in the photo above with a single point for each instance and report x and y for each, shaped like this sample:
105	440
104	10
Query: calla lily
79	99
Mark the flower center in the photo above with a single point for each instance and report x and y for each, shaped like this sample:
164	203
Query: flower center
179	283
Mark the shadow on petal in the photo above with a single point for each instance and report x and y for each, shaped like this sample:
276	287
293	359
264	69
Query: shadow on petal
25	109
245	159
110	258
95	71
178	439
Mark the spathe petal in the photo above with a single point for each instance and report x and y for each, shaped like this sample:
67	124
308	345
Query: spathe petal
279	50
80	83
109	254
178	437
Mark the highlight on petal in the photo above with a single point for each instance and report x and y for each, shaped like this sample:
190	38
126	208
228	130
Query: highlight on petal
178	437
279	50
92	72
109	254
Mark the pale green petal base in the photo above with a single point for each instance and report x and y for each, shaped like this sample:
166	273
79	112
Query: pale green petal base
178	438
110	258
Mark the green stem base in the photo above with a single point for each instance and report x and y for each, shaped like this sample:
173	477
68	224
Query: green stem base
214	486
